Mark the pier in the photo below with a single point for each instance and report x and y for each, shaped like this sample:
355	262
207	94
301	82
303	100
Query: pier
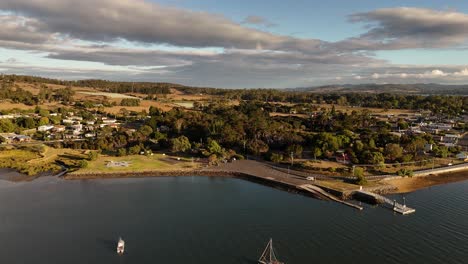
396	207
316	189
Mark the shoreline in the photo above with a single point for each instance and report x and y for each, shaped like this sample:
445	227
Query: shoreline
411	184
399	184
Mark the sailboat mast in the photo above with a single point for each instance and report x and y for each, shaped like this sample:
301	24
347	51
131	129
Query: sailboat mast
271	247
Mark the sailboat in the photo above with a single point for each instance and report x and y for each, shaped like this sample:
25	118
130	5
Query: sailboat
268	255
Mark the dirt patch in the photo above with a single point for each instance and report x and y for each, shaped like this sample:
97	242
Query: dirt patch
405	185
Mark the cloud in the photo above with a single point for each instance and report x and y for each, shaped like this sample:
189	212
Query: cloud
146	22
258	20
22	29
200	48
404	27
248	58
415	74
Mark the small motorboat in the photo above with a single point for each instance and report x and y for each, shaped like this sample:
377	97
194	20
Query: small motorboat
120	246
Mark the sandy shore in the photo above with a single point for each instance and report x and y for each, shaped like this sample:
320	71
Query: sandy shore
405	185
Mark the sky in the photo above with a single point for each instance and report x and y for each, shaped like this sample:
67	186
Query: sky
237	44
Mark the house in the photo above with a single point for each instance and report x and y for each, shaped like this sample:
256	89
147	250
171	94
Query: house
463	141
450	140
342	157
89	135
8	137
428	147
108	121
7	116
58	129
67	121
21	138
77	127
45	128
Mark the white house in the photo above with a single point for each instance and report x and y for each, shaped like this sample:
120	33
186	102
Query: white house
45	128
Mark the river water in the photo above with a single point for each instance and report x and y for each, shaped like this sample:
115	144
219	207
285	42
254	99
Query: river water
220	220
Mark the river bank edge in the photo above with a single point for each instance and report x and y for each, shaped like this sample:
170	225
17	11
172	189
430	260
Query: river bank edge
400	184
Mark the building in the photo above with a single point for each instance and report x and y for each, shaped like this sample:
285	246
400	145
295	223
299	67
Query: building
45	128
58	129
8	137
342	157
428	147
450	140
108	121
21	138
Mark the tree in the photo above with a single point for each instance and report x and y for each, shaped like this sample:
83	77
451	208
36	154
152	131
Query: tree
43	121
377	158
296	150
180	144
130	102
214	147
134	150
92	155
6	126
373	157
276	157
317	153
121	152
359	174
393	151
442	151
83	164
65	95
146	130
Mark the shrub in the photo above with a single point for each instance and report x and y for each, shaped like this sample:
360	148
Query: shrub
83	164
405	172
276	157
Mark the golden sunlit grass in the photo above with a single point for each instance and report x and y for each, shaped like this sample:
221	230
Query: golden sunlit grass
139	163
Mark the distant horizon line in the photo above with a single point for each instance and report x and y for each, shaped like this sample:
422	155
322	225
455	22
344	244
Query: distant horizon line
212	87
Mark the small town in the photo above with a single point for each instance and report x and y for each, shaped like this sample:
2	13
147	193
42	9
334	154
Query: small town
267	132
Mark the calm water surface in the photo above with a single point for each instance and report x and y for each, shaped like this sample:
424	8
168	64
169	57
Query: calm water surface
220	220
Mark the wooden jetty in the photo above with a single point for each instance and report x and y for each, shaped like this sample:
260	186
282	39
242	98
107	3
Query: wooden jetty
396	207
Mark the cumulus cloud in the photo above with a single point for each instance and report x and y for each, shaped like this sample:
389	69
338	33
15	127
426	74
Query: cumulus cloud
211	50
140	21
404	27
15	28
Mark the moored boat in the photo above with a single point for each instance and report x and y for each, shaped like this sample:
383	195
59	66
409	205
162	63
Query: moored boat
268	255
120	246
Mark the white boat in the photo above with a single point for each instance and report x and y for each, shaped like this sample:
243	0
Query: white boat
120	246
268	255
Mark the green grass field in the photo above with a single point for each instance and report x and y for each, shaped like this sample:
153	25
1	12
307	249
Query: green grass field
140	163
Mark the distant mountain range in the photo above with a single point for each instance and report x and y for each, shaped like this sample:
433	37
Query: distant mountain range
420	89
